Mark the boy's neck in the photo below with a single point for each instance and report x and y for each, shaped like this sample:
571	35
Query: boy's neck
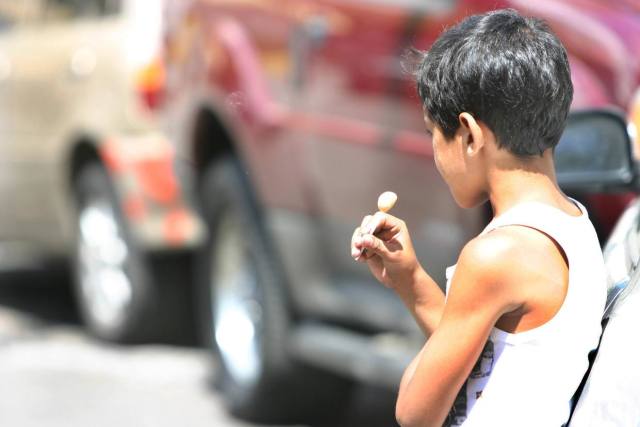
512	181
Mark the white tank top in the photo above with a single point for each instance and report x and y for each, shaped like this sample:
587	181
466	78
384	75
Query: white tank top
528	378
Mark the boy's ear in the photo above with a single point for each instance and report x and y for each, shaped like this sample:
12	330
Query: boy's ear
471	134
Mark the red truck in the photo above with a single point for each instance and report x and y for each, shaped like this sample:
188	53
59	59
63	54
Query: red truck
290	117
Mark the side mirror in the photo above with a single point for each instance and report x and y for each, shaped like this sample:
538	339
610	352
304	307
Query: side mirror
594	152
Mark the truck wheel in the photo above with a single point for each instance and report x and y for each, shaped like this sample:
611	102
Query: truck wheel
122	294
245	316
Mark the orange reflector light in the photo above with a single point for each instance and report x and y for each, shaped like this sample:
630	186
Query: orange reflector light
150	84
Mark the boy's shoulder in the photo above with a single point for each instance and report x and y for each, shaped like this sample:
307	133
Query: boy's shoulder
509	244
504	260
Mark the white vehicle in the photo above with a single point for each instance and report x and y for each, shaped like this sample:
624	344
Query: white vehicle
85	174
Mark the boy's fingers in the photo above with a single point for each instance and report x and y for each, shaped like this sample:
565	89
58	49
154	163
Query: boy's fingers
359	243
383	222
364	222
375	245
355	243
384	226
386	235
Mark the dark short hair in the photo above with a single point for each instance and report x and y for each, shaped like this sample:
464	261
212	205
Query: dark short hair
510	72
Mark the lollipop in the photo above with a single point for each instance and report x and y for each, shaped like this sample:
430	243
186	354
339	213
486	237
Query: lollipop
386	201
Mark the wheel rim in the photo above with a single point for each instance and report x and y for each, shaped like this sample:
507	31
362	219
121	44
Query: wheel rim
106	288
237	312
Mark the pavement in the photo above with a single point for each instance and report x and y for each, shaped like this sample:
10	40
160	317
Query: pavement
53	374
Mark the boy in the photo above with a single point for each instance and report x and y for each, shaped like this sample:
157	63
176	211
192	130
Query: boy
508	343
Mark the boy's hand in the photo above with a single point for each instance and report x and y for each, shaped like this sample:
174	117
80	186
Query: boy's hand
389	251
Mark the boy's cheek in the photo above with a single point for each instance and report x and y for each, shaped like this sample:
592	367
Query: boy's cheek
436	161
439	161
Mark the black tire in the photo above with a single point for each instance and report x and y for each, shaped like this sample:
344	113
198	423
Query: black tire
283	390
159	302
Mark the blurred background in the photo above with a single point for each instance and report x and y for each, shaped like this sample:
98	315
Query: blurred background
179	181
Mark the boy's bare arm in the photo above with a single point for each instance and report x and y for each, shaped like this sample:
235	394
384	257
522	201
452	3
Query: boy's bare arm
480	294
392	260
424	299
484	287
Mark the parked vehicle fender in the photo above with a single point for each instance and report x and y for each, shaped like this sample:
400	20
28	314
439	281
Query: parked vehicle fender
235	67
202	129
588	89
227	94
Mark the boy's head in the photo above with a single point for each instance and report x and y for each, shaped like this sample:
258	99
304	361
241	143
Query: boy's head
507	71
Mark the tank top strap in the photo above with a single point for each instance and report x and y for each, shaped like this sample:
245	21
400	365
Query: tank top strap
548	219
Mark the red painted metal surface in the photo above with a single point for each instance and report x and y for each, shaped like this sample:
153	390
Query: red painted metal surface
302	77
